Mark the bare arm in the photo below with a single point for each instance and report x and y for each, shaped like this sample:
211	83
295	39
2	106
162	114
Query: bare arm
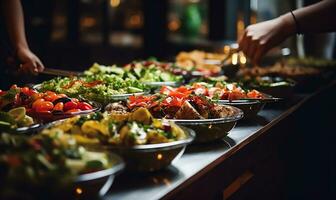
13	14
261	37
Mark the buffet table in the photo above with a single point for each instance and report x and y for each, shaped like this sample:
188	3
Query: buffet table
248	155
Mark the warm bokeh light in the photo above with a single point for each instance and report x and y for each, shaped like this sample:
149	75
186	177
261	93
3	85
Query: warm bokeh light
114	3
79	191
174	25
242	58
234	59
159	156
88	22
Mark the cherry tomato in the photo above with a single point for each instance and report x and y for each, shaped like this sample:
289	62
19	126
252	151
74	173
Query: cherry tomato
73	111
69	106
51	97
2	92
44	106
37	96
84	106
59	106
25	90
37	102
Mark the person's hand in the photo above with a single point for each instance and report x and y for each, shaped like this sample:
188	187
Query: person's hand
261	37
29	62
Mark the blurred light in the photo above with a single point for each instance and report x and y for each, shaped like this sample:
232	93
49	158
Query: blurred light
242	58
159	156
174	25
240	28
114	3
234	59
88	22
135	21
79	191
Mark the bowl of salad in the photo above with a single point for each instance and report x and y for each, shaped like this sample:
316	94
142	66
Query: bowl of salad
210	121
44	106
273	85
251	101
145	143
53	166
102	88
17	121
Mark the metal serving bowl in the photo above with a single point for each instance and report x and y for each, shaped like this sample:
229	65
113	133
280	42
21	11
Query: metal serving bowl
153	157
250	107
159	84
208	130
96	184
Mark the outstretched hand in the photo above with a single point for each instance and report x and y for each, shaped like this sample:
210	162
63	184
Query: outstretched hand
29	62
259	38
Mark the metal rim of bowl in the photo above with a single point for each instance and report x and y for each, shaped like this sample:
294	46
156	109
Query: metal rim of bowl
166	83
238	115
26	129
268	99
191	133
120	165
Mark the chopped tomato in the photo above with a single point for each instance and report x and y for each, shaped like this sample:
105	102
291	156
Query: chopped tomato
84	106
37	102
59	106
44	106
70	105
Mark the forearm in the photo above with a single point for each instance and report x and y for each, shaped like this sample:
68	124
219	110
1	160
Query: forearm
316	18
13	14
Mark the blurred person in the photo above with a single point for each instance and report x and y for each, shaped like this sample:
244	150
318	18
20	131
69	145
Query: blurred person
16	53
259	38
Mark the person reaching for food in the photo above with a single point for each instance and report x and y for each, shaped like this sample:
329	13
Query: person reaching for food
259	38
12	17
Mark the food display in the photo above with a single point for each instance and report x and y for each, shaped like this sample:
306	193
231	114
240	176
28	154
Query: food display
37	161
78	129
42	106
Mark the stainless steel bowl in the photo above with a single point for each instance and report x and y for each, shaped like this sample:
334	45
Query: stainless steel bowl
96	184
250	107
159	84
153	157
208	130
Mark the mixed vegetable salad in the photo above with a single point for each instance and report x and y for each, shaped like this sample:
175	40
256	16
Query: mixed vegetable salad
136	128
30	164
98	87
178	104
38	104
